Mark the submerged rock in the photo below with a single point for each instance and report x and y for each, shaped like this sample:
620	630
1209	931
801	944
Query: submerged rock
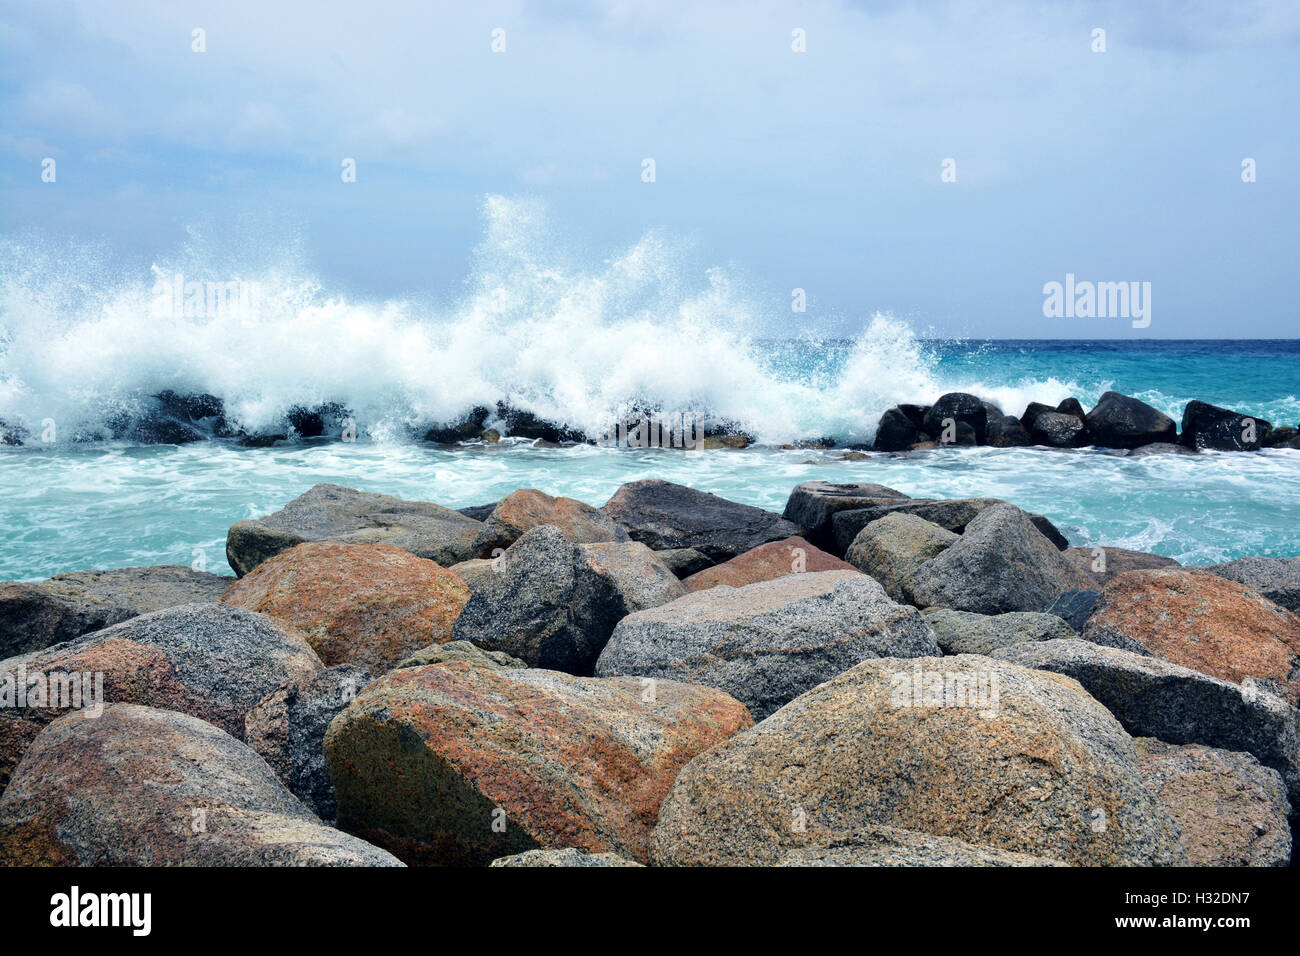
368	604
460	764
33	616
144	787
664	515
335	513
1039	768
766	643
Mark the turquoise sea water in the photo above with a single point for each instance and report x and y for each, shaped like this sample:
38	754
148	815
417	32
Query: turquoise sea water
67	506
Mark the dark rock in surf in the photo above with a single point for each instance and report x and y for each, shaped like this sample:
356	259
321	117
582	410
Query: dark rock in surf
1208	426
1007	432
465	429
1120	421
895	432
522	424
958	408
1032	411
1058	430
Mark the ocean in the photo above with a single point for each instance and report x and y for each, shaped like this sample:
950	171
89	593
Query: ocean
70	505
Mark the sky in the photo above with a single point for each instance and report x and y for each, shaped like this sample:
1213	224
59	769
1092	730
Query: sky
821	169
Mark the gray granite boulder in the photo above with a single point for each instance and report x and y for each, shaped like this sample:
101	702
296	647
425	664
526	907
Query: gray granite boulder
894	547
954	514
962	632
813	504
766	643
1278	579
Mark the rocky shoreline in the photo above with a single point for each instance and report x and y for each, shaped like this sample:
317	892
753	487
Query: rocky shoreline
671	679
1119	423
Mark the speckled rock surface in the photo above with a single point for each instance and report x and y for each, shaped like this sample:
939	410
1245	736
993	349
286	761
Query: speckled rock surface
36	615
455	763
1232	811
766	562
665	515
1074	607
335	513
767	643
1100	564
1278	579
1154	698
356	603
208	660
475	572
962	632
546	604
287	730
813	504
893	548
1047	771
529	508
683	562
641	579
1001	563
952	514
459	651
145	787
565	857
890	846
1204	622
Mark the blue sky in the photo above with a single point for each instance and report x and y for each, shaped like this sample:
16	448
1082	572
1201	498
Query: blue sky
818	170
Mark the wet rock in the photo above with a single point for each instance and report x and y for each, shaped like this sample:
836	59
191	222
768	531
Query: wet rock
1072	406
1160	448
766	643
1032	411
1120	421
1041	769
664	515
1278	579
1101	564
1007	432
961	632
1231	810
368	604
530	508
334	513
765	563
1204	622
466	428
960	408
461	764
1058	430
1284	436
36	615
895	432
1154	698
813	504
893	548
522	424
319	421
1208	426
1074	607
208	660
144	787
1001	563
